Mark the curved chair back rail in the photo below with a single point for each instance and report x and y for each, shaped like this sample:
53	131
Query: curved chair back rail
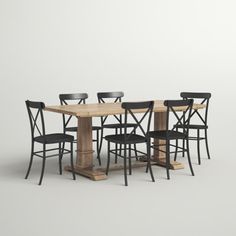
177	103
116	95
137	105
81	97
36	105
195	95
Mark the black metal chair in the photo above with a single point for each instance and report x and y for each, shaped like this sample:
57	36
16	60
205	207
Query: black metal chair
35	112
80	98
115	97
128	138
170	134
203	98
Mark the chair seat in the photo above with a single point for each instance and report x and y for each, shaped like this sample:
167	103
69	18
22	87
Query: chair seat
167	135
74	129
118	125
54	138
120	138
193	126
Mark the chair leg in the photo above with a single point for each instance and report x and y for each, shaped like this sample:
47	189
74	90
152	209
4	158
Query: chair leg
168	159
176	149
135	149
198	147
31	160
149	166
135	152
130	167
108	157
60	158
63	148
207	147
97	147
189	159
43	164
100	144
125	166
149	143
116	147
120	148
183	152
72	161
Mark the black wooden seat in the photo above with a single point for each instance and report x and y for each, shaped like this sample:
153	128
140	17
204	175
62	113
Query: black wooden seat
192	126
54	138
75	128
167	135
35	112
121	139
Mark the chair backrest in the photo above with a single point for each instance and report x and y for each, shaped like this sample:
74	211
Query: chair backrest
35	112
66	99
132	109
203	98
114	97
179	118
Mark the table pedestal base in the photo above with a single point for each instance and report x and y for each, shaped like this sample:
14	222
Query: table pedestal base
99	173
92	174
161	161
174	165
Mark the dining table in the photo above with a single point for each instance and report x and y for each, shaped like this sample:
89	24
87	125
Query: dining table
85	114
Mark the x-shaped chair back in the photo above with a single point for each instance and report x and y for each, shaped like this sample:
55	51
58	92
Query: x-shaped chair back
179	118
203	98
67	99
111	96
131	110
35	112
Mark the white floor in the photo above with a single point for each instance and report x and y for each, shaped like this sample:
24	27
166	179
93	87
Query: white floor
185	205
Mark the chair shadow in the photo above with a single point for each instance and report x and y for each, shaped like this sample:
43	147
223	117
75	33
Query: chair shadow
17	167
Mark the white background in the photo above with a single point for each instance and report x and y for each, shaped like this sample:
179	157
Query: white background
149	50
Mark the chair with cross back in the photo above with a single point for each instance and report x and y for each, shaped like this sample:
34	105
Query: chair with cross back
170	134
200	118
38	135
118	126
79	98
138	135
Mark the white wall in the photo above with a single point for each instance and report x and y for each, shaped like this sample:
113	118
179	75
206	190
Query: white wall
148	49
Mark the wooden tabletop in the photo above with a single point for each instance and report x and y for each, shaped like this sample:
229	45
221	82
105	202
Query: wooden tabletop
104	109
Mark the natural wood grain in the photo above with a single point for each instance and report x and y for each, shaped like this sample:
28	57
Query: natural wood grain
89	173
99	173
84	143
174	165
159	124
103	109
135	164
